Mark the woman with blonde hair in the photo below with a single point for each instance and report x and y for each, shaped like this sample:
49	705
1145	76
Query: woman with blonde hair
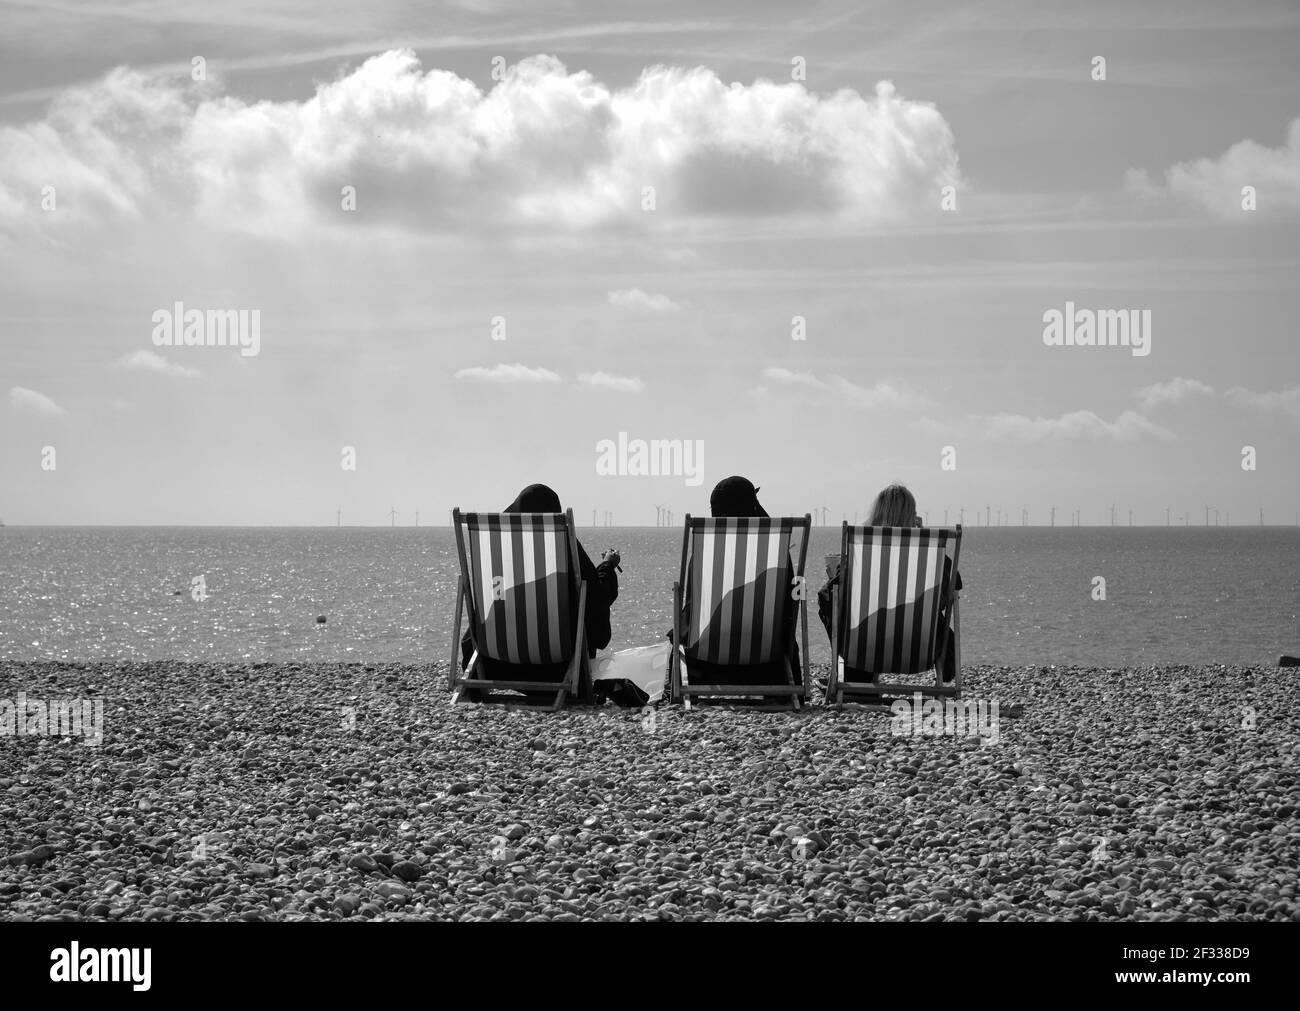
895	506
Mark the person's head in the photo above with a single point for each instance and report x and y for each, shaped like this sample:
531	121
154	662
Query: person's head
894	507
536	498
735	496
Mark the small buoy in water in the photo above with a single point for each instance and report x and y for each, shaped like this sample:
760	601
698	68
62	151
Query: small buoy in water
1288	661
176	593
320	619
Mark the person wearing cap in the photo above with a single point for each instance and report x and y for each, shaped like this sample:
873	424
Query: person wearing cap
602	591
737	496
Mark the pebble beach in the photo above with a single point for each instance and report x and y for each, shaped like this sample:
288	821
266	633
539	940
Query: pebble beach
299	791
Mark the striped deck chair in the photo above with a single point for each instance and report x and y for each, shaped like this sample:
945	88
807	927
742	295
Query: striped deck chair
886	610
736	604
521	587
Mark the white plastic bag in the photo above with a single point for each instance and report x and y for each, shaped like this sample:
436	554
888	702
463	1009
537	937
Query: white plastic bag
645	666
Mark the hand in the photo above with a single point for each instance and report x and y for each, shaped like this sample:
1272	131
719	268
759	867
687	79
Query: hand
611	555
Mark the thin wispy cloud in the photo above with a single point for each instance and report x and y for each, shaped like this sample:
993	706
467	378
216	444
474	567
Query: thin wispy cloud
605	381
514	374
1284	403
838	390
1129	426
150	361
635	298
33	402
1176	391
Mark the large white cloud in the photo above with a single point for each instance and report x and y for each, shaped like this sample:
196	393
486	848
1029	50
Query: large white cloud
1215	184
432	151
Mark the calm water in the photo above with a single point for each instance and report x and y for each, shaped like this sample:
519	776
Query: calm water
1191	595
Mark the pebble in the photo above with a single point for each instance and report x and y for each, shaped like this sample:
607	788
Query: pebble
726	814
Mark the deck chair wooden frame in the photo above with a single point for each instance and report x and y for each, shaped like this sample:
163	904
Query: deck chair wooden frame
523	642
765	643
904	639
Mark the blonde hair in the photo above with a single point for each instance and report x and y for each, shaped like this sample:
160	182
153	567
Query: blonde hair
894	507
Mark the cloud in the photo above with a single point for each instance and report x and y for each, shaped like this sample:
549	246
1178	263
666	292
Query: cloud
23	399
1215	184
508	374
1172	393
149	361
840	390
1285	402
1128	427
430	151
604	381
635	298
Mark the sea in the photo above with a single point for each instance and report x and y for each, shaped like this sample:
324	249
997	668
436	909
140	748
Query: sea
1110	596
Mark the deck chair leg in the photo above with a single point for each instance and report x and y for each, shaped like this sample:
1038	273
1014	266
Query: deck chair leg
455	636
789	676
681	677
832	678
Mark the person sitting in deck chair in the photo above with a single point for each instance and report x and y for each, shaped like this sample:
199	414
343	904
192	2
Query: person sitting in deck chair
895	506
602	590
737	496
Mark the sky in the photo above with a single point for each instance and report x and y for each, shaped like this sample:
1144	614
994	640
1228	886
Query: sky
817	242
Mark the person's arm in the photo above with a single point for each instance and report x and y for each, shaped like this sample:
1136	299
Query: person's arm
606	578
825	601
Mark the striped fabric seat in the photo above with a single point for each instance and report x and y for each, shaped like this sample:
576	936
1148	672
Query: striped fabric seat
522	584
737	577
890	595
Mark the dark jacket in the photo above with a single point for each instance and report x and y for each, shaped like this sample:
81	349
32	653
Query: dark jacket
602	583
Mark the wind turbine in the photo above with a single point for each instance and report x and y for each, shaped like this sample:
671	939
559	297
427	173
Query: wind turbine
1053	515
1207	515
986	515
1166	516
999	517
338	522
658	513
961	517
1024	516
825	510
945	517
593	517
417	517
1130	517
393	514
